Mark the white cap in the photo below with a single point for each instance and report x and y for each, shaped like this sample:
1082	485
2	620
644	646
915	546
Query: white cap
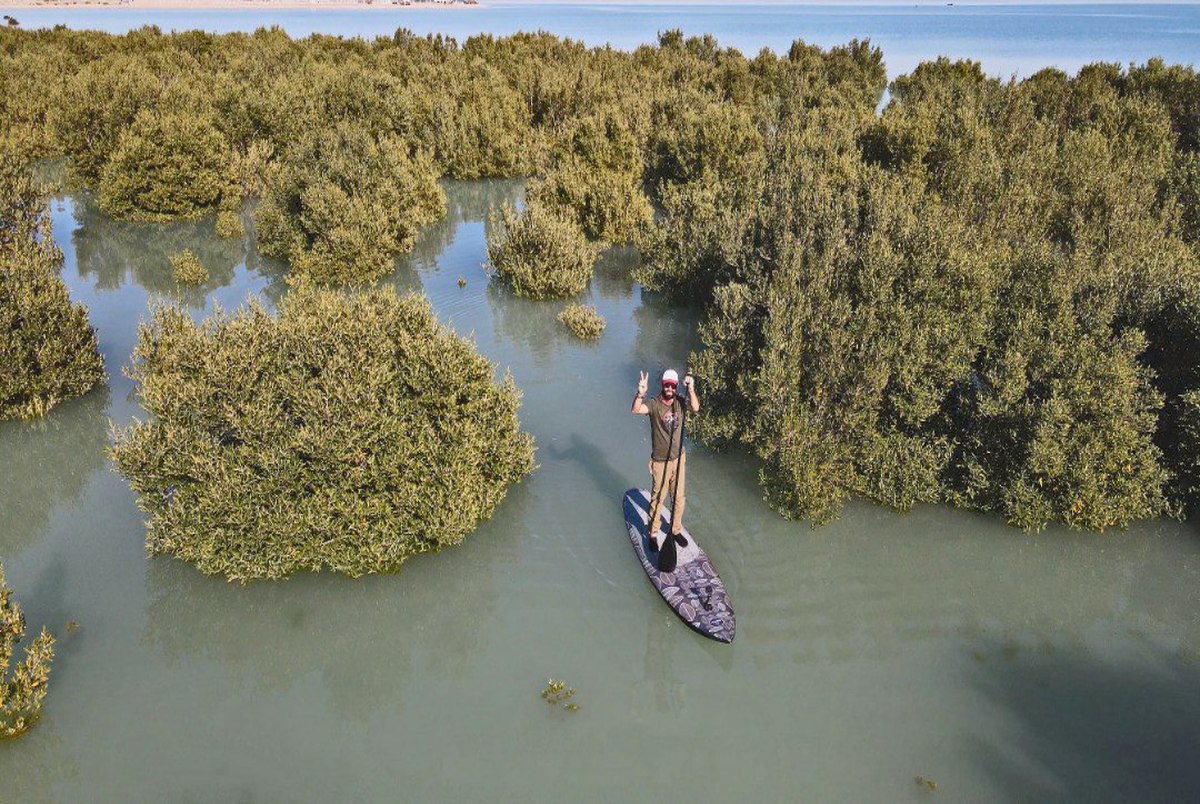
670	376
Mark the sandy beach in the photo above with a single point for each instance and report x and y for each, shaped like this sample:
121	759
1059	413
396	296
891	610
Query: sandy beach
241	4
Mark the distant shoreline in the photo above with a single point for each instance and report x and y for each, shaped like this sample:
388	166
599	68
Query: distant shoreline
198	5
181	5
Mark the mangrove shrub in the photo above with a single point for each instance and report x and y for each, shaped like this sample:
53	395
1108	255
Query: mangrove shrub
187	269
166	166
583	321
539	254
229	224
48	351
96	104
349	432
596	177
985	294
343	203
22	687
962	300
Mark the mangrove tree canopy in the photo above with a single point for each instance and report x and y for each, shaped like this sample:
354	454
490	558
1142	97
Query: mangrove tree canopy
23	685
350	432
342	203
166	166
48	351
539	254
985	294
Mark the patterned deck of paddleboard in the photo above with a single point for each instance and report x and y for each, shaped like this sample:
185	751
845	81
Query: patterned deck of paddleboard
693	590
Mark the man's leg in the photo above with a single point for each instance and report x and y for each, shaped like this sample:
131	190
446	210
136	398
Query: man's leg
658	490
678	497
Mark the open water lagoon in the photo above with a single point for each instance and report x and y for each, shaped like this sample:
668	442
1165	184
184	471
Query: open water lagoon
1007	39
880	648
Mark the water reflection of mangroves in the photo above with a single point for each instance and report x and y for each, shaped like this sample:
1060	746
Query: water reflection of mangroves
531	324
362	637
535	326
466	202
612	275
114	252
47	463
476	200
275	269
666	333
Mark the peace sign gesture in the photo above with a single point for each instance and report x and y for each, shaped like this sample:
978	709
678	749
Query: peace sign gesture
643	383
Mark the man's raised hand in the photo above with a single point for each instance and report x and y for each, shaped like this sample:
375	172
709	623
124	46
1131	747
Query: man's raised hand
643	383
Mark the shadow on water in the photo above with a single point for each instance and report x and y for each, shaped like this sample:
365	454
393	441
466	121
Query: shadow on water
1093	728
47	463
591	459
532	325
361	637
659	691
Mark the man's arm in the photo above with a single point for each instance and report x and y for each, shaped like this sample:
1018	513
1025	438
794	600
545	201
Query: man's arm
639	407
693	400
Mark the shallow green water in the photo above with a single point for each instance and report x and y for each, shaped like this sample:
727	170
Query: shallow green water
879	648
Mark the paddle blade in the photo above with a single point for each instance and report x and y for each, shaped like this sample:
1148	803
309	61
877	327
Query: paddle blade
667	555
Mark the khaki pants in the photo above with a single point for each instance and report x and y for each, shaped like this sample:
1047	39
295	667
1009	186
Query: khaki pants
663	473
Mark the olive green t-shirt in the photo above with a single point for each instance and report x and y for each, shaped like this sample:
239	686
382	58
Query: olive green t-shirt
664	423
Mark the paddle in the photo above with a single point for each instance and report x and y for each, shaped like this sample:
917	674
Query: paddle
667	555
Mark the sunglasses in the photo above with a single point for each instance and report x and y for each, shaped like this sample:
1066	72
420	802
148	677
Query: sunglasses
669	384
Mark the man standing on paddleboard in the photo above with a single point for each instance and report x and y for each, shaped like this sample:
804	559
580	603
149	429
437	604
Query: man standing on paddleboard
666	448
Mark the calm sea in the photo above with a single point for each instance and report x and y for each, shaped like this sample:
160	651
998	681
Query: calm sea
1007	39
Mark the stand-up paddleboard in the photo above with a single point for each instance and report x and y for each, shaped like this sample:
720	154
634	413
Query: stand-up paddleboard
693	588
